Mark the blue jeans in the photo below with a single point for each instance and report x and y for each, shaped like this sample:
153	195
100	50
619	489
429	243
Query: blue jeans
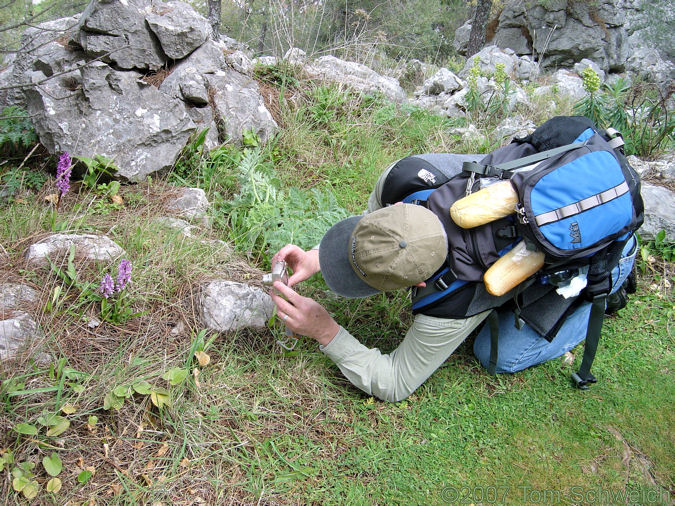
520	349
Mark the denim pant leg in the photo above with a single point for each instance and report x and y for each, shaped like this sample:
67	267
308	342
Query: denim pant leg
520	349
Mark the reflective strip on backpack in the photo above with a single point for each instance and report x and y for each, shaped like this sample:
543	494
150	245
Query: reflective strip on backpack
582	205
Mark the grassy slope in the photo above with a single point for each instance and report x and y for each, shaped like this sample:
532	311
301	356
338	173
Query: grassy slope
260	425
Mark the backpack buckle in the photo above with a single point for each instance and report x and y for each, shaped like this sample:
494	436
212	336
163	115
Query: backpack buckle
582	384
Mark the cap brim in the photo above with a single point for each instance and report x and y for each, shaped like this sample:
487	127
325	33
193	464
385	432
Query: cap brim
334	260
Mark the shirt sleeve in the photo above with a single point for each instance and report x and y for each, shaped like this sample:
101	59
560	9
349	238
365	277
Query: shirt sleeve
393	377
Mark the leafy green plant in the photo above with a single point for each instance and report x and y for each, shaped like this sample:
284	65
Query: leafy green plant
190	158
282	74
24	480
262	218
16	131
639	112
592	105
498	103
657	247
16	179
327	102
474	102
99	170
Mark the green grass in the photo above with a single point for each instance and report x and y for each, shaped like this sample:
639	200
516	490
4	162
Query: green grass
258	425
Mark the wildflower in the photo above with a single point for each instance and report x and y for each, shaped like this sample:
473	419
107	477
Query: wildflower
123	274
591	80
107	286
63	170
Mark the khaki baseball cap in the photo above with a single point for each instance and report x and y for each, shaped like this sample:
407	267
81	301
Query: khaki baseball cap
394	247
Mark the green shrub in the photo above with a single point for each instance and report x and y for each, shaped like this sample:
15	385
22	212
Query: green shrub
16	130
262	218
639	112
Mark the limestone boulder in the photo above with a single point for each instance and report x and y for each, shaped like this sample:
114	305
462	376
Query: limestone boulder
87	247
191	204
16	332
659	212
178	28
356	76
227	305
116	31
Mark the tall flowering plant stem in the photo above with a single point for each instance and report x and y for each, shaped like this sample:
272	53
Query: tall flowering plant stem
63	173
114	297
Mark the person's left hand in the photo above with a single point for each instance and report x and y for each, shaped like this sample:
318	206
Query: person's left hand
303	315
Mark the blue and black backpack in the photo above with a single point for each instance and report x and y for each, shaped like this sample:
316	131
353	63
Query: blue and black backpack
578	201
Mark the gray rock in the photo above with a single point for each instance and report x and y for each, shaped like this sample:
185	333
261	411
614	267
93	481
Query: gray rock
659	212
44	47
226	305
469	134
191	204
564	83
114	114
488	58
93	108
193	87
178	27
442	81
583	64
641	167
461	39
16	296
87	246
265	61
511	127
234	100
239	61
295	56
117	32
356	76
661	170
16	332
177	224
646	63
527	69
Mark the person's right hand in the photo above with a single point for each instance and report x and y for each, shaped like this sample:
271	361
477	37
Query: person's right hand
304	264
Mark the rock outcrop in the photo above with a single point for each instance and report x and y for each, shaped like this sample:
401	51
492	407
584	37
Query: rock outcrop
93	85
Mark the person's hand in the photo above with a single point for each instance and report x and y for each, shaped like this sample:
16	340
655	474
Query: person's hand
304	264
303	315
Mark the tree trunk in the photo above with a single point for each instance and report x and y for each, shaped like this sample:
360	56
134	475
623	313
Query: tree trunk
480	20
214	17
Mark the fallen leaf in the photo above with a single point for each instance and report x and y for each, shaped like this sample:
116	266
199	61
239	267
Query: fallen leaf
116	489
59	426
160	397
54	485
52	198
202	358
162	451
195	375
68	409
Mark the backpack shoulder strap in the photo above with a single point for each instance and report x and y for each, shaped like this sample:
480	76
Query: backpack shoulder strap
501	170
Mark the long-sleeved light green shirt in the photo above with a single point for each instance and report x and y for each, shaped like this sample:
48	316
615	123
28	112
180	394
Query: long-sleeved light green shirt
427	344
393	377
